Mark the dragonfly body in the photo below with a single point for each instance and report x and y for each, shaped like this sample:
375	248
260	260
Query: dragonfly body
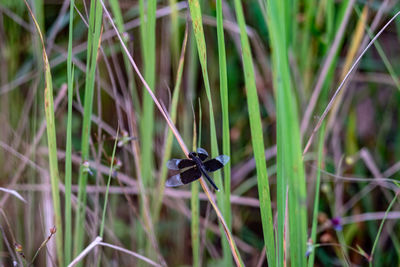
194	167
200	165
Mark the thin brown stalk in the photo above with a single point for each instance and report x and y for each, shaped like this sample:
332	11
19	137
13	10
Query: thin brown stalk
324	71
355	64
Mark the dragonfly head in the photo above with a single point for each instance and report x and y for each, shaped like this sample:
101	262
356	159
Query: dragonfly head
192	155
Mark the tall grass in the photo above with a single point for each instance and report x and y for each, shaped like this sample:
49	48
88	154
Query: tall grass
275	66
95	22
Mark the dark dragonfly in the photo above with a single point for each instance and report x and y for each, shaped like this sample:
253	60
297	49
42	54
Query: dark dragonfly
194	167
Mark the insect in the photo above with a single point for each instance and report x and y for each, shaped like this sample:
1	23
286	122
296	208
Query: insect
193	168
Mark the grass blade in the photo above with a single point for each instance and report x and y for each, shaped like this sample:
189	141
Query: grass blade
95	20
195	225
225	126
195	12
148	45
103	218
195	203
290	172
380	229
68	146
257	138
52	145
316	197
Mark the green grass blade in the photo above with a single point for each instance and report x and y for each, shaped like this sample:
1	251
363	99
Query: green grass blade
316	197
39	17
68	146
147	29
103	218
195	12
225	127
52	145
174	17
290	172
195	203
148	44
95	20
380	229
195	224
257	138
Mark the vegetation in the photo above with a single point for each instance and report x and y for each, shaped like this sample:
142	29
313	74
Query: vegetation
301	95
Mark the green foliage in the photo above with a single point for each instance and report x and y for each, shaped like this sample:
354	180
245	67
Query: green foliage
268	69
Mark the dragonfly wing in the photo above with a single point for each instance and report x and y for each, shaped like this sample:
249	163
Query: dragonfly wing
185	177
174	181
190	175
202	153
178	164
215	164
